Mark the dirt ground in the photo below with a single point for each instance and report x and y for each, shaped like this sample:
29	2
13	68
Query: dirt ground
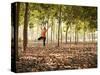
50	58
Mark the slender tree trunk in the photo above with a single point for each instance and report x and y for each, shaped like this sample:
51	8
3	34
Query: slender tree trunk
70	37
89	37
66	36
47	26
53	33
66	33
51	30
92	37
25	39
47	34
56	33
75	35
84	37
61	34
59	23
47	37
33	34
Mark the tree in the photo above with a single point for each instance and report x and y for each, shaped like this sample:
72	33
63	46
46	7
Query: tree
25	39
52	30
59	22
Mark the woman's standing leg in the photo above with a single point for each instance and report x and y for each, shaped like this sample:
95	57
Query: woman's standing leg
44	41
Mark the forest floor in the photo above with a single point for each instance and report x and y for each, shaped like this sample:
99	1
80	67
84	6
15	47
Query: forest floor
52	58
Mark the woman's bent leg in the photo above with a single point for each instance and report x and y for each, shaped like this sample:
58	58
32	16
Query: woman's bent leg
39	38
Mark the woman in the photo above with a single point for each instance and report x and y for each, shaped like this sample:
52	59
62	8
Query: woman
43	35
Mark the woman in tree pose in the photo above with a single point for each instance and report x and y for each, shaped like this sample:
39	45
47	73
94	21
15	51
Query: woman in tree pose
43	34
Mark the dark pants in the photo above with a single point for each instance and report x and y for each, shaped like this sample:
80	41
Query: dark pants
42	38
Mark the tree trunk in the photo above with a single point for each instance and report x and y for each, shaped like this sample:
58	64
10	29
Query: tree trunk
84	37
51	30
61	34
70	39
75	36
47	34
54	33
51	34
89	37
59	23
66	37
66	33
25	39
92	37
47	27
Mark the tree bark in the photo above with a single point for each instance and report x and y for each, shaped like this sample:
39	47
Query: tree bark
66	33
66	36
51	30
61	34
70	37
59	23
75	35
92	37
84	38
47	32
25	38
54	33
